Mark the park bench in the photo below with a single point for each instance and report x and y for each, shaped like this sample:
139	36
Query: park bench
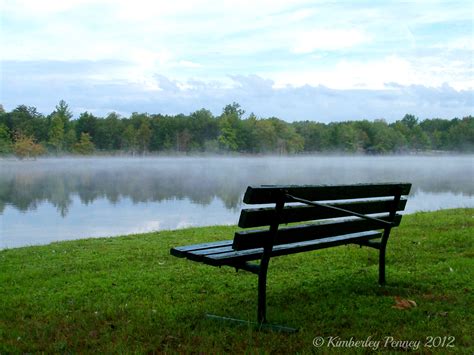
361	214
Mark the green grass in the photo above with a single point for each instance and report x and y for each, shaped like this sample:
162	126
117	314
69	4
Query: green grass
127	294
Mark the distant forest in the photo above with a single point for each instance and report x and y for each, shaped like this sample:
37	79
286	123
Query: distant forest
25	132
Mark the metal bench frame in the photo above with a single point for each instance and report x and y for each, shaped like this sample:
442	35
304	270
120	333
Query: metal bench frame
268	248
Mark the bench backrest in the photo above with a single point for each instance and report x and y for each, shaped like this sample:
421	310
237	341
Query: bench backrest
377	200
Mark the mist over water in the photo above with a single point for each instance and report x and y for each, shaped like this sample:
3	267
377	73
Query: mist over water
70	198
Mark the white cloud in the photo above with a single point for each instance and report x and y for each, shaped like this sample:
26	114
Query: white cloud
374	74
39	8
163	94
328	39
188	64
209	48
463	43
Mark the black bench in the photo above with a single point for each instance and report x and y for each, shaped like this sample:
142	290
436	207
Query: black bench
360	214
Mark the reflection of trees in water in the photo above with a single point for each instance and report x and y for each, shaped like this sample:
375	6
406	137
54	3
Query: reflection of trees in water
26	184
26	189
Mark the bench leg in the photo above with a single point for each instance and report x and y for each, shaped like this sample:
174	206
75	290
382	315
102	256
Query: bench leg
382	266
262	291
262	323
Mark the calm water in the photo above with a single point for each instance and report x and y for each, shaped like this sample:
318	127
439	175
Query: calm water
60	199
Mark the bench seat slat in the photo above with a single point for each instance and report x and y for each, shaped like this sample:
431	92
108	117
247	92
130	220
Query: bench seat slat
236	256
270	193
181	252
257	217
299	233
226	249
198	255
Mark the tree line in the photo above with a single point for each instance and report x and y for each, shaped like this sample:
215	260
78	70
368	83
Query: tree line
27	133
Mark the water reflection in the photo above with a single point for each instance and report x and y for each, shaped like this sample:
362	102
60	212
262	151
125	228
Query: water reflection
26	184
204	190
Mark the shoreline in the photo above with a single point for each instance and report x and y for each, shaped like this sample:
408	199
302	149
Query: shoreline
171	154
404	213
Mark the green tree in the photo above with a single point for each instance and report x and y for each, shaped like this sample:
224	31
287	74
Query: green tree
248	133
410	121
108	132
266	136
233	109
129	139
63	111
228	137
26	147
380	137
183	140
461	134
56	133
28	121
294	142
85	146
70	139
86	123
438	131
414	135
144	136
229	132
288	140
204	128
344	137
419	139
5	140
315	135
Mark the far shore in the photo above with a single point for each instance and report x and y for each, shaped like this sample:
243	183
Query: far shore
172	154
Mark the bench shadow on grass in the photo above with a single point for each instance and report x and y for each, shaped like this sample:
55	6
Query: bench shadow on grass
296	301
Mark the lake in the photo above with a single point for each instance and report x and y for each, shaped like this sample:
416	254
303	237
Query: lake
70	198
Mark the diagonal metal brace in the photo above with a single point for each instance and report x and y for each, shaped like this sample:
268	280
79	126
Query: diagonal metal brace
312	203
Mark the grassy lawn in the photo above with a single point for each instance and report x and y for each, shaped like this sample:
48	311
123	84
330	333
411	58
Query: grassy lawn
127	294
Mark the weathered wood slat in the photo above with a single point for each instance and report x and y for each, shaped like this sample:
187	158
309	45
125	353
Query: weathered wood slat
258	238
181	252
200	254
238	256
197	255
213	250
271	193
257	217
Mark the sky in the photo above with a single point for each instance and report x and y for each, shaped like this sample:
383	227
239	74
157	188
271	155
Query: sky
293	59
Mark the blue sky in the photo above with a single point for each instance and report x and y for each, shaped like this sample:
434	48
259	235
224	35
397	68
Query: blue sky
297	60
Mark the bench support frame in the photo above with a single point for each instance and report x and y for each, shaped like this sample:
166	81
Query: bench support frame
386	234
382	246
262	270
267	250
279	198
